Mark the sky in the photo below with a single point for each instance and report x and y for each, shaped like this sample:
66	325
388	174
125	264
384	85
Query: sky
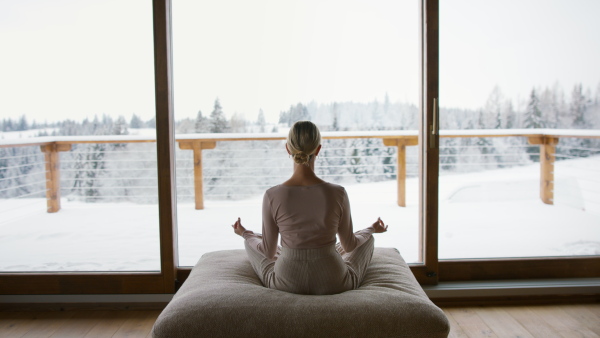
75	59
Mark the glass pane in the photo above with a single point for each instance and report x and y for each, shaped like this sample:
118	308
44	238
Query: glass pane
75	193
520	94
246	71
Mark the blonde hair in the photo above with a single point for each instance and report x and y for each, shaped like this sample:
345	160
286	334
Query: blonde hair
303	140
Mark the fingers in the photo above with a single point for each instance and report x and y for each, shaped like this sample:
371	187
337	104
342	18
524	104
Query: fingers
237	223
381	225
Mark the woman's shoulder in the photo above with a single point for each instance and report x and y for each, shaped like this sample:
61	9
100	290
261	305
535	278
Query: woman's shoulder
334	186
333	189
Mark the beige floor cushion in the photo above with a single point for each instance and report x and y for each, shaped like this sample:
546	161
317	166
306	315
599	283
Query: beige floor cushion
223	297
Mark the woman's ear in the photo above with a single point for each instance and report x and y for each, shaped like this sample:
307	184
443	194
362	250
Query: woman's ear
316	152
286	148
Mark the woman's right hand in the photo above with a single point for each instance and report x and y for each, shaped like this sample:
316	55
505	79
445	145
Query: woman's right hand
238	228
379	226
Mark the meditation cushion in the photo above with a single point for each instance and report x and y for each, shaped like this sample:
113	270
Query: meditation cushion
223	297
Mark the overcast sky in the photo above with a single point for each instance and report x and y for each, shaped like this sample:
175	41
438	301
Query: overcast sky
73	59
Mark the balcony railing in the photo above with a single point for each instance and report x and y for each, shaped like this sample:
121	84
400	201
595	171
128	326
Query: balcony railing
545	140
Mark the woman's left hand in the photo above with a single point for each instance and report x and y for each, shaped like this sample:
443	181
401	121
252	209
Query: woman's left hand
238	228
379	226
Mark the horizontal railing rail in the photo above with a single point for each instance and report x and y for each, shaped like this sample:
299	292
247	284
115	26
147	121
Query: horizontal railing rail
546	139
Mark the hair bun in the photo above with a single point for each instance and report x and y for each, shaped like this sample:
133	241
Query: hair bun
301	158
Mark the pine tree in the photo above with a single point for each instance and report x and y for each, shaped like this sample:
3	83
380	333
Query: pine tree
509	116
299	112
201	123
218	122
261	122
151	123
492	118
136	122
578	107
22	124
120	127
284	117
237	124
335	116
533	114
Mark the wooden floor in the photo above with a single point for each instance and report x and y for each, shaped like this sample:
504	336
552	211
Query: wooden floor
515	321
525	321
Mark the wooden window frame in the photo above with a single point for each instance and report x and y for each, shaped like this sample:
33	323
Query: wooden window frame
431	271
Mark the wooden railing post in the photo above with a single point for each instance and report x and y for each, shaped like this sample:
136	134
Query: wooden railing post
197	147
401	143
547	157
52	161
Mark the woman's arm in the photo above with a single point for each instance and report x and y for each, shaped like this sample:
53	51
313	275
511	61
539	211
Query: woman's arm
349	239
267	243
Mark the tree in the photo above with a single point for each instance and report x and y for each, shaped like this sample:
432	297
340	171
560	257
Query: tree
22	125
237	124
136	122
493	110
120	127
551	105
335	125
509	115
218	122
151	123
299	112
533	114
89	165
284	117
260	121
201	123
578	107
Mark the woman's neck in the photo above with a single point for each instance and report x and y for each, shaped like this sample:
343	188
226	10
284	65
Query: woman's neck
304	175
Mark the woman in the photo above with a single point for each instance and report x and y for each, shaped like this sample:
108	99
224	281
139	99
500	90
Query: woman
308	213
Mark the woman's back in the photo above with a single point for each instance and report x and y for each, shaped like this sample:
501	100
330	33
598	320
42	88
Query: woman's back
309	217
306	216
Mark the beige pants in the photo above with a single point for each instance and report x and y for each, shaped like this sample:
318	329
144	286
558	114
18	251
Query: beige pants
322	271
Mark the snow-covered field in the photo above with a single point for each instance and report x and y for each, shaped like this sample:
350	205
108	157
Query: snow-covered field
496	213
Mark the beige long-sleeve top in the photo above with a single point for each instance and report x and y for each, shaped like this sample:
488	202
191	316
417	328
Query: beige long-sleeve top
307	217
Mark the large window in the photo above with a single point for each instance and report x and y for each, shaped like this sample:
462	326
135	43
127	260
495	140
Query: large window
72	197
242	77
511	73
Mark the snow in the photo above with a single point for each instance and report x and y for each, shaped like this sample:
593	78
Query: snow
12	135
494	213
498	213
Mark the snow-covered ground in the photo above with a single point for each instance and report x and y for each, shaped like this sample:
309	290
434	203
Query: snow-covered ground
496	213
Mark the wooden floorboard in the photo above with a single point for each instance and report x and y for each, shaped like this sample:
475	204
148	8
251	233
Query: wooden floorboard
109	324
545	321
532	321
585	315
46	323
138	324
470	322
564	324
502	323
455	330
